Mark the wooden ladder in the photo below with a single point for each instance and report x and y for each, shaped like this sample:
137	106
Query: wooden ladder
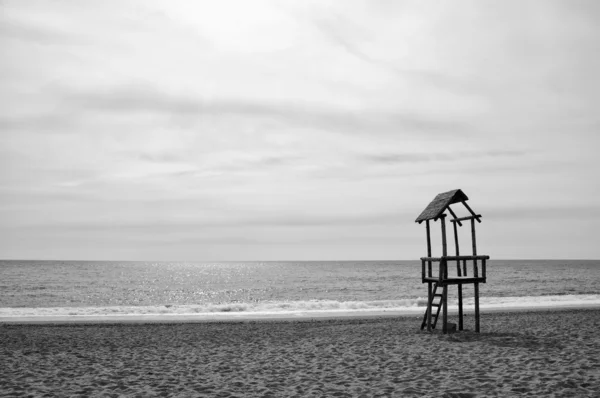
434	317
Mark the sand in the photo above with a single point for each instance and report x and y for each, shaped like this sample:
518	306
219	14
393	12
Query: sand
550	354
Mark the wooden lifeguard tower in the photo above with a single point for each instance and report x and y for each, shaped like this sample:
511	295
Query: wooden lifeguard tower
442	279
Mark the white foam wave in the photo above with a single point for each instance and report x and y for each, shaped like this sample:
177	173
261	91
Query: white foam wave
275	307
320	307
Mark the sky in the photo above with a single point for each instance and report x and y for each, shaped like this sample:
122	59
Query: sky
296	130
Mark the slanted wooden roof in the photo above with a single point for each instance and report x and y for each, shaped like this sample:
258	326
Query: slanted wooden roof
440	203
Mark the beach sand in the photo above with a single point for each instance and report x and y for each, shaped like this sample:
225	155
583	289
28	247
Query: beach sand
545	353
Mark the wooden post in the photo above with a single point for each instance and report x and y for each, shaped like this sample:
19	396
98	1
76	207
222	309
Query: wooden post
429	272
444	273
476	307
477	216
454	215
475	274
443	222
428	248
483	269
460	307
460	299
429	306
445	298
456	249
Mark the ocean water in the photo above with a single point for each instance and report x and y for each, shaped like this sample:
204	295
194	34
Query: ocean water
97	288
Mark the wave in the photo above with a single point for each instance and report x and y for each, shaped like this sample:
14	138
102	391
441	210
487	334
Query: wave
301	308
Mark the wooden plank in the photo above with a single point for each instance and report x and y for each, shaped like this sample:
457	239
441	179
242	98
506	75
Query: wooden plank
423	270
474	240
443	276
465	218
433	259
483	275
445	309
444	247
457	281
428	247
475	274
476	307
429	302
444	298
469	257
477	217
456	219
456	249
460	307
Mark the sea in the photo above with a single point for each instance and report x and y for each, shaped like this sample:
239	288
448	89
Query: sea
80	289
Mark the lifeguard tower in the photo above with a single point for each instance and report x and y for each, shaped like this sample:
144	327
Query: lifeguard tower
442	279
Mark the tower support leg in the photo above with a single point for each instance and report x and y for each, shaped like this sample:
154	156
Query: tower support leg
444	272
475	274
477	307
429	307
460	307
445	309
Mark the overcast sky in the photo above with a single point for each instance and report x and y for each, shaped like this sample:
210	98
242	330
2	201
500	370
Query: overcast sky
296	130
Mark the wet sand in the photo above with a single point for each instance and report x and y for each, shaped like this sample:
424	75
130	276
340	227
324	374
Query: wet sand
545	353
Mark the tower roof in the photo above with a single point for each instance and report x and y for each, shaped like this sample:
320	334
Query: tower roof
440	203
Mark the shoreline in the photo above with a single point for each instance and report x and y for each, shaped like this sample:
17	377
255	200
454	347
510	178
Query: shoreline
307	316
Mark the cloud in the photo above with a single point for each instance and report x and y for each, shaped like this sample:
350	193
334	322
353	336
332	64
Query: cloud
56	123
226	221
159	157
331	29
314	118
545	211
401	158
77	109
132	100
349	36
36	34
228	161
